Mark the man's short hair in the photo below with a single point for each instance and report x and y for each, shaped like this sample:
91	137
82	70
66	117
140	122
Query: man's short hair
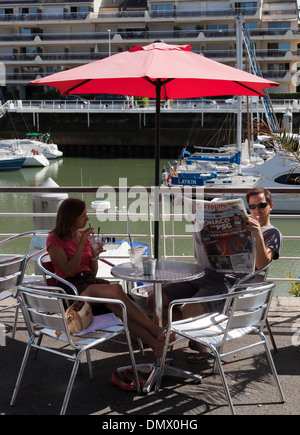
258	191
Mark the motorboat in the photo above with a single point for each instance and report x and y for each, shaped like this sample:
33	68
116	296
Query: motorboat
31	158
282	170
42	143
34	143
35	160
10	162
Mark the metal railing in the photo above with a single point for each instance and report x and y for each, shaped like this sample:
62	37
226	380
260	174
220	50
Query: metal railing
142	106
172	224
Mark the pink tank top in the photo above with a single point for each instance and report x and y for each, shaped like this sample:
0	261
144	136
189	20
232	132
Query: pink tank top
70	247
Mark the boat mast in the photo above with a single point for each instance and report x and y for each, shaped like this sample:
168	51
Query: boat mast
239	62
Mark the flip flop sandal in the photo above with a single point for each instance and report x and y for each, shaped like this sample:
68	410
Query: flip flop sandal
129	377
118	379
203	355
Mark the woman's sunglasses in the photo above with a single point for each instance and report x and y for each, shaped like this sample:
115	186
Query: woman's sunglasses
260	205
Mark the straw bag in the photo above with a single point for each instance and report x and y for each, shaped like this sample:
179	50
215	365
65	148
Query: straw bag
78	319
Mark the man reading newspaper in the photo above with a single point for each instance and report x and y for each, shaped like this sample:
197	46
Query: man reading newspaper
225	246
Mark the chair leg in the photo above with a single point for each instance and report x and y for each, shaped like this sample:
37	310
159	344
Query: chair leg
224	382
132	359
15	322
70	384
36	349
141	346
271	336
21	372
88	358
272	367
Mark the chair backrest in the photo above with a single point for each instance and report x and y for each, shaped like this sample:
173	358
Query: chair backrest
37	244
42	308
250	307
12	270
256	276
50	278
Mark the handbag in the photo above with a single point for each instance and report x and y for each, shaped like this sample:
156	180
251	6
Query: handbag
78	318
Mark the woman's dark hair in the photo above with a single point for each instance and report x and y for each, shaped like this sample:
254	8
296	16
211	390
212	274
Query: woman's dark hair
68	212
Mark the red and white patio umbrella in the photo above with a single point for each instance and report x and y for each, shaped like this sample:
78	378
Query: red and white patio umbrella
159	71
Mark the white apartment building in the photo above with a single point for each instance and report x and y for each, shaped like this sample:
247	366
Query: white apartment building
38	38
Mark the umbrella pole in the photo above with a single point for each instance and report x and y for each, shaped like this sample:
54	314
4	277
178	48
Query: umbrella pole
157	169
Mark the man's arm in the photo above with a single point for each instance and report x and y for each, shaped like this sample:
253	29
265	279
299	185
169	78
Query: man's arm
263	254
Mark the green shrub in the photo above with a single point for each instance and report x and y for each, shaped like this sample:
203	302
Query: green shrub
294	288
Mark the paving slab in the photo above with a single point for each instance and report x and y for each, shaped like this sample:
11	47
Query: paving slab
251	384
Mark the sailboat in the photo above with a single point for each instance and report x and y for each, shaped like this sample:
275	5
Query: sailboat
217	170
275	169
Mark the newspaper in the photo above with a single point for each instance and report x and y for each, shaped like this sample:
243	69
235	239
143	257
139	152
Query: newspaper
221	240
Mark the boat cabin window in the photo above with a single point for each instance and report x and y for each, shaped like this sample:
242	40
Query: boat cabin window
293	178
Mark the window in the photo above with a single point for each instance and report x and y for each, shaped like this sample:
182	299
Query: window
279	26
250	25
217	27
278	66
281	46
163	8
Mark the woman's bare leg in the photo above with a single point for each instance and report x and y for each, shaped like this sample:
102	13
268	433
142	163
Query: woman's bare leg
134	313
140	332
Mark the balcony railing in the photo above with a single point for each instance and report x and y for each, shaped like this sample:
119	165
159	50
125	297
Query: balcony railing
173	235
83	57
44	17
127	14
155	14
141	34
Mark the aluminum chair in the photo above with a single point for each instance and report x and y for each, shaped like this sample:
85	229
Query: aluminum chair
44	311
244	312
12	270
49	276
36	247
251	280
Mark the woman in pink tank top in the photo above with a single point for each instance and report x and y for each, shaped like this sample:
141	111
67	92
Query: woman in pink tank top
73	259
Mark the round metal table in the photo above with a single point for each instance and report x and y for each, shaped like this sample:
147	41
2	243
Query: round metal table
166	272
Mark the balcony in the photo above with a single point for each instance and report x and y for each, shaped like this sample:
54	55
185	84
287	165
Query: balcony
68	16
143	34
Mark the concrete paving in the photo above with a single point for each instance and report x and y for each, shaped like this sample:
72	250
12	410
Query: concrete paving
179	401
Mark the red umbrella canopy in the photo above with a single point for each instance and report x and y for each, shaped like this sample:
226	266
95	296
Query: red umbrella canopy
176	69
157	71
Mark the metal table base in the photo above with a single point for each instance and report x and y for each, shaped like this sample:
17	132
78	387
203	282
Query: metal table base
167	271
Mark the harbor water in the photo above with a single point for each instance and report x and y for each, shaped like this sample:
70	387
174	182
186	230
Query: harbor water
98	172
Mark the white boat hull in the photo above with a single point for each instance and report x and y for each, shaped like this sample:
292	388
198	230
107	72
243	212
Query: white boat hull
35	161
50	151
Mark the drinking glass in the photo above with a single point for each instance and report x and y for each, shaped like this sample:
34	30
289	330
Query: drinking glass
96	243
135	255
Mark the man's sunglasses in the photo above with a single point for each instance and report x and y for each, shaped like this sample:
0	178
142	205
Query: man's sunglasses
260	205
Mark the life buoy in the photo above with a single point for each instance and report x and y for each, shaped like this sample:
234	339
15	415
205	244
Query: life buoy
35	152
